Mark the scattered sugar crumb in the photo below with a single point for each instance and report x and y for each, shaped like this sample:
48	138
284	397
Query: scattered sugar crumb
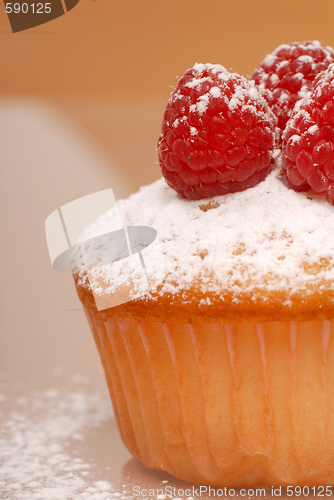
21	400
3	397
313	129
80	379
58	371
215	92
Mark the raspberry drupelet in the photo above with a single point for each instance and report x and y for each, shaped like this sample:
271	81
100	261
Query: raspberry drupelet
288	73
217	136
308	150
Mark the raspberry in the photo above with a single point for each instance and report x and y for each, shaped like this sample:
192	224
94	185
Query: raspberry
288	73
217	134
308	151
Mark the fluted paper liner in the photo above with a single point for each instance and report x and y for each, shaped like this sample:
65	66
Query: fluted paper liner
237	405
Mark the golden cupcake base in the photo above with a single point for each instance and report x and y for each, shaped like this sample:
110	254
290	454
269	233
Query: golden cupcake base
238	405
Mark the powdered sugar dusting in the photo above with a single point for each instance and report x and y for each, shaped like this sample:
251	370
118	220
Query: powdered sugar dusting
215	92
286	75
202	103
198	81
268	234
37	461
240	95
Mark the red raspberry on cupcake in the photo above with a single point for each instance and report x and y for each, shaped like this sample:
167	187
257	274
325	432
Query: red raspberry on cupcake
218	134
308	140
288	73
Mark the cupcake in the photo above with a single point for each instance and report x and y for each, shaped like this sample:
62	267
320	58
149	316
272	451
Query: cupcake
220	370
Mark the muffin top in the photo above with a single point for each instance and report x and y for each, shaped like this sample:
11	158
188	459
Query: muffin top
263	254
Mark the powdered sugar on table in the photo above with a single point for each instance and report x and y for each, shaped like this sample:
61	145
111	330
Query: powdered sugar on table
37	457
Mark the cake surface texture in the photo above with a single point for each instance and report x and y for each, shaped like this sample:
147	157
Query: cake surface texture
265	253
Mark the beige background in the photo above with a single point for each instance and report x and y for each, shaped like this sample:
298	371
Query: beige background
81	101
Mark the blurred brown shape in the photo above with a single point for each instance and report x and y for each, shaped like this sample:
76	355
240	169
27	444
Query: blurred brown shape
23	15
